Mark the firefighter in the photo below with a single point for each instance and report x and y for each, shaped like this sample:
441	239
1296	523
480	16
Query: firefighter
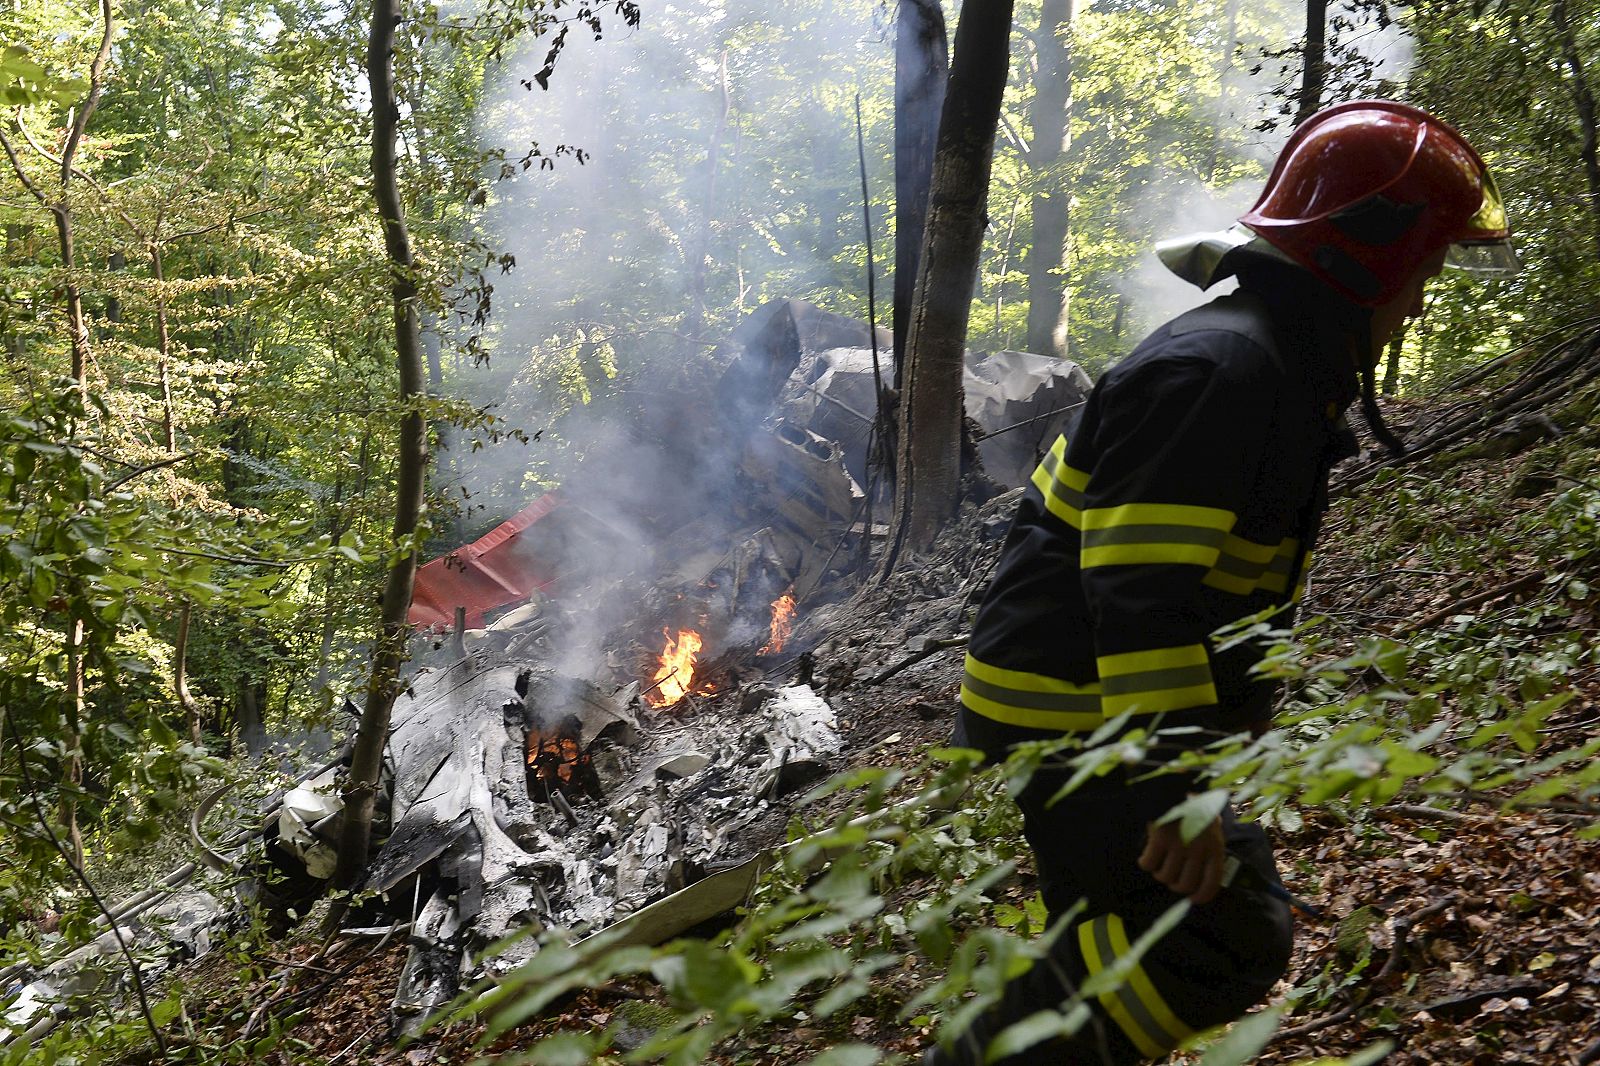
1187	498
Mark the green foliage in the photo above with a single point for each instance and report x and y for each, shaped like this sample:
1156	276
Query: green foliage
89	553
24	81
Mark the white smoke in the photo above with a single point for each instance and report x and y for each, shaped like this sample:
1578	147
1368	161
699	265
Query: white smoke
1368	58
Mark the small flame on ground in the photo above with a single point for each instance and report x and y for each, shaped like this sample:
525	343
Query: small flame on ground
676	673
782	623
553	758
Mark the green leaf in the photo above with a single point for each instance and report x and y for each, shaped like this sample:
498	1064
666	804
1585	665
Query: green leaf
1195	814
1244	1039
847	1055
700	975
565	1049
1029	1032
1367	1056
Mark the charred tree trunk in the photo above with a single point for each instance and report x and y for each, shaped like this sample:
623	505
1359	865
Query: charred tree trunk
931	404
1583	101
360	794
1316	60
1047	258
921	65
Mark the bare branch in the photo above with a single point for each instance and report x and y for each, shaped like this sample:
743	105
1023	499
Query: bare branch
22	175
96	86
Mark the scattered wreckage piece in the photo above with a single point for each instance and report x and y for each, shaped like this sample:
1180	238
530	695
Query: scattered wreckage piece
524	801
162	926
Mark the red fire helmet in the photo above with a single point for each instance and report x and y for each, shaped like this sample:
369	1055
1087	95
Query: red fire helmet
1367	191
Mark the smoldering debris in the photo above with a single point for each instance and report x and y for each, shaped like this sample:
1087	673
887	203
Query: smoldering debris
619	737
523	800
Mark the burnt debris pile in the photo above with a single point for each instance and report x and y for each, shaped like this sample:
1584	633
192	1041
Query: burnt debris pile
612	707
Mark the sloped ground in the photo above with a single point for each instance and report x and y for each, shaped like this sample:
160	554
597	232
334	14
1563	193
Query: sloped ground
1462	933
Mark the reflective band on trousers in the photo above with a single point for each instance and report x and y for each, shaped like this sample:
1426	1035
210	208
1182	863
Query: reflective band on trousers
1157	680
1135	1006
1033	701
1245	566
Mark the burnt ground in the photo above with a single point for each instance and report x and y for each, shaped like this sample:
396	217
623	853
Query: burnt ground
1463	935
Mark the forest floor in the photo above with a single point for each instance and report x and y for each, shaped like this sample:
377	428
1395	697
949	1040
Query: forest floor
1463	934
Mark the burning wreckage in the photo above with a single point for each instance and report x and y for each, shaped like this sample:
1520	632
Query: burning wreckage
536	785
585	742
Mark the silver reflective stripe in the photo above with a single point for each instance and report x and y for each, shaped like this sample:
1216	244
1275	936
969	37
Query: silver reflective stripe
1210	538
1157	680
1040	701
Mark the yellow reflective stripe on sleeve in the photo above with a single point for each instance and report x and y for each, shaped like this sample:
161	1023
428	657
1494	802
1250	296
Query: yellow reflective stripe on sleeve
1148	555
1135	1005
1033	701
1139	534
1155	681
1061	486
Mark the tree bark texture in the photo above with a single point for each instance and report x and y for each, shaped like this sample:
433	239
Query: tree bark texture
389	653
1230	41
1049	115
1391	367
931	402
1316	60
699	250
921	66
180	672
61	209
1583	102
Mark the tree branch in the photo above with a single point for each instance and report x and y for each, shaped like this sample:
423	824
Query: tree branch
96	86
22	175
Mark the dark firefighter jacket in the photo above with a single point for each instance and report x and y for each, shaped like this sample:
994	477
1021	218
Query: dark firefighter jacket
1185	500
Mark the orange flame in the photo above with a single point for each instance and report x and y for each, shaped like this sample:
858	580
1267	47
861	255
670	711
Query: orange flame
782	623
676	673
554	757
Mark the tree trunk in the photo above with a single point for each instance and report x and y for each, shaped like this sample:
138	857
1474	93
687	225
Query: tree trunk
1047	257
700	245
931	403
1316	60
180	673
921	64
77	328
1230	41
252	725
72	772
1583	101
115	262
390	650
1391	366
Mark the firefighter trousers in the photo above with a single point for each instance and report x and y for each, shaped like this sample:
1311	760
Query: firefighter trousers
1220	960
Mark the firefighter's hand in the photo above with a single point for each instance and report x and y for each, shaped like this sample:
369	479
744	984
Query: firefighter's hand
1192	869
